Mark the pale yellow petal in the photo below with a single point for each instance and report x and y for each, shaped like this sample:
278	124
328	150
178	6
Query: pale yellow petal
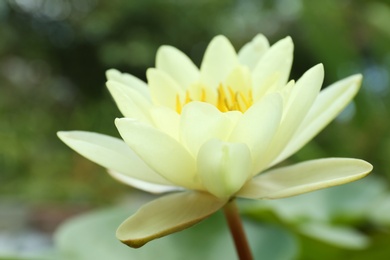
224	167
297	105
160	152
130	81
163	88
273	69
305	177
111	153
239	80
219	60
166	215
258	125
201	122
167	120
251	53
142	185
130	102
176	64
329	103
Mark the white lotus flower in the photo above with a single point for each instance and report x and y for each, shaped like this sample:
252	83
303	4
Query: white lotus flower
211	134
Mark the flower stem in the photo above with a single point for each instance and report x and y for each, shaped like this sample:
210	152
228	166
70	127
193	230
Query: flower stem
237	231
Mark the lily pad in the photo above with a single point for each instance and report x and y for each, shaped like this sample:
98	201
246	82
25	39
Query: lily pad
92	236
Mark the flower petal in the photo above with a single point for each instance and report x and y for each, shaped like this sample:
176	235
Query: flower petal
163	88
142	185
305	177
201	122
329	103
297	105
177	65
111	153
160	151
130	81
166	215
258	125
239	80
166	120
219	60
224	167
275	64
130	102
251	53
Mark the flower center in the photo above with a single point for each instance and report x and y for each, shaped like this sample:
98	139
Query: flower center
227	99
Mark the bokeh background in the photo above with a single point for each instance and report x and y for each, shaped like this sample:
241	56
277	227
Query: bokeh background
53	58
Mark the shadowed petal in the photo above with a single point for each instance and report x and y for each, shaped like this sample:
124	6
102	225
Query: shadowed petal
111	153
166	215
142	185
304	177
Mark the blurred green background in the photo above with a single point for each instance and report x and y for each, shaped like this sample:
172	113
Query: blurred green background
54	53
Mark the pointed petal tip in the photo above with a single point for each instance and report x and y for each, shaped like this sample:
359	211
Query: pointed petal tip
65	135
287	43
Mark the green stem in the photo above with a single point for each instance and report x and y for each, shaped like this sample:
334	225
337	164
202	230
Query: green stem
237	231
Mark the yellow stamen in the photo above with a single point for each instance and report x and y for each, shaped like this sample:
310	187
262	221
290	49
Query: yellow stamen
178	104
203	95
227	99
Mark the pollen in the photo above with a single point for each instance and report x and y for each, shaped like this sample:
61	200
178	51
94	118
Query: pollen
227	99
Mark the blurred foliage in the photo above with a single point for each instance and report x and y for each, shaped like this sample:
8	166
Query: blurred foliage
54	53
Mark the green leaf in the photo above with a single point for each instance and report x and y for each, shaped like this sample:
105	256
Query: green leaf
92	236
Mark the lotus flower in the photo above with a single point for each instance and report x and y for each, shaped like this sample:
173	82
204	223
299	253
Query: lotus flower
212	134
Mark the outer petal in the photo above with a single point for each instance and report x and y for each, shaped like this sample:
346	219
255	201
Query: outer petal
201	122
258	125
305	177
329	103
160	151
130	81
163	88
130	102
177	65
219	60
142	185
111	153
166	215
297	105
274	65
224	167
251	53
